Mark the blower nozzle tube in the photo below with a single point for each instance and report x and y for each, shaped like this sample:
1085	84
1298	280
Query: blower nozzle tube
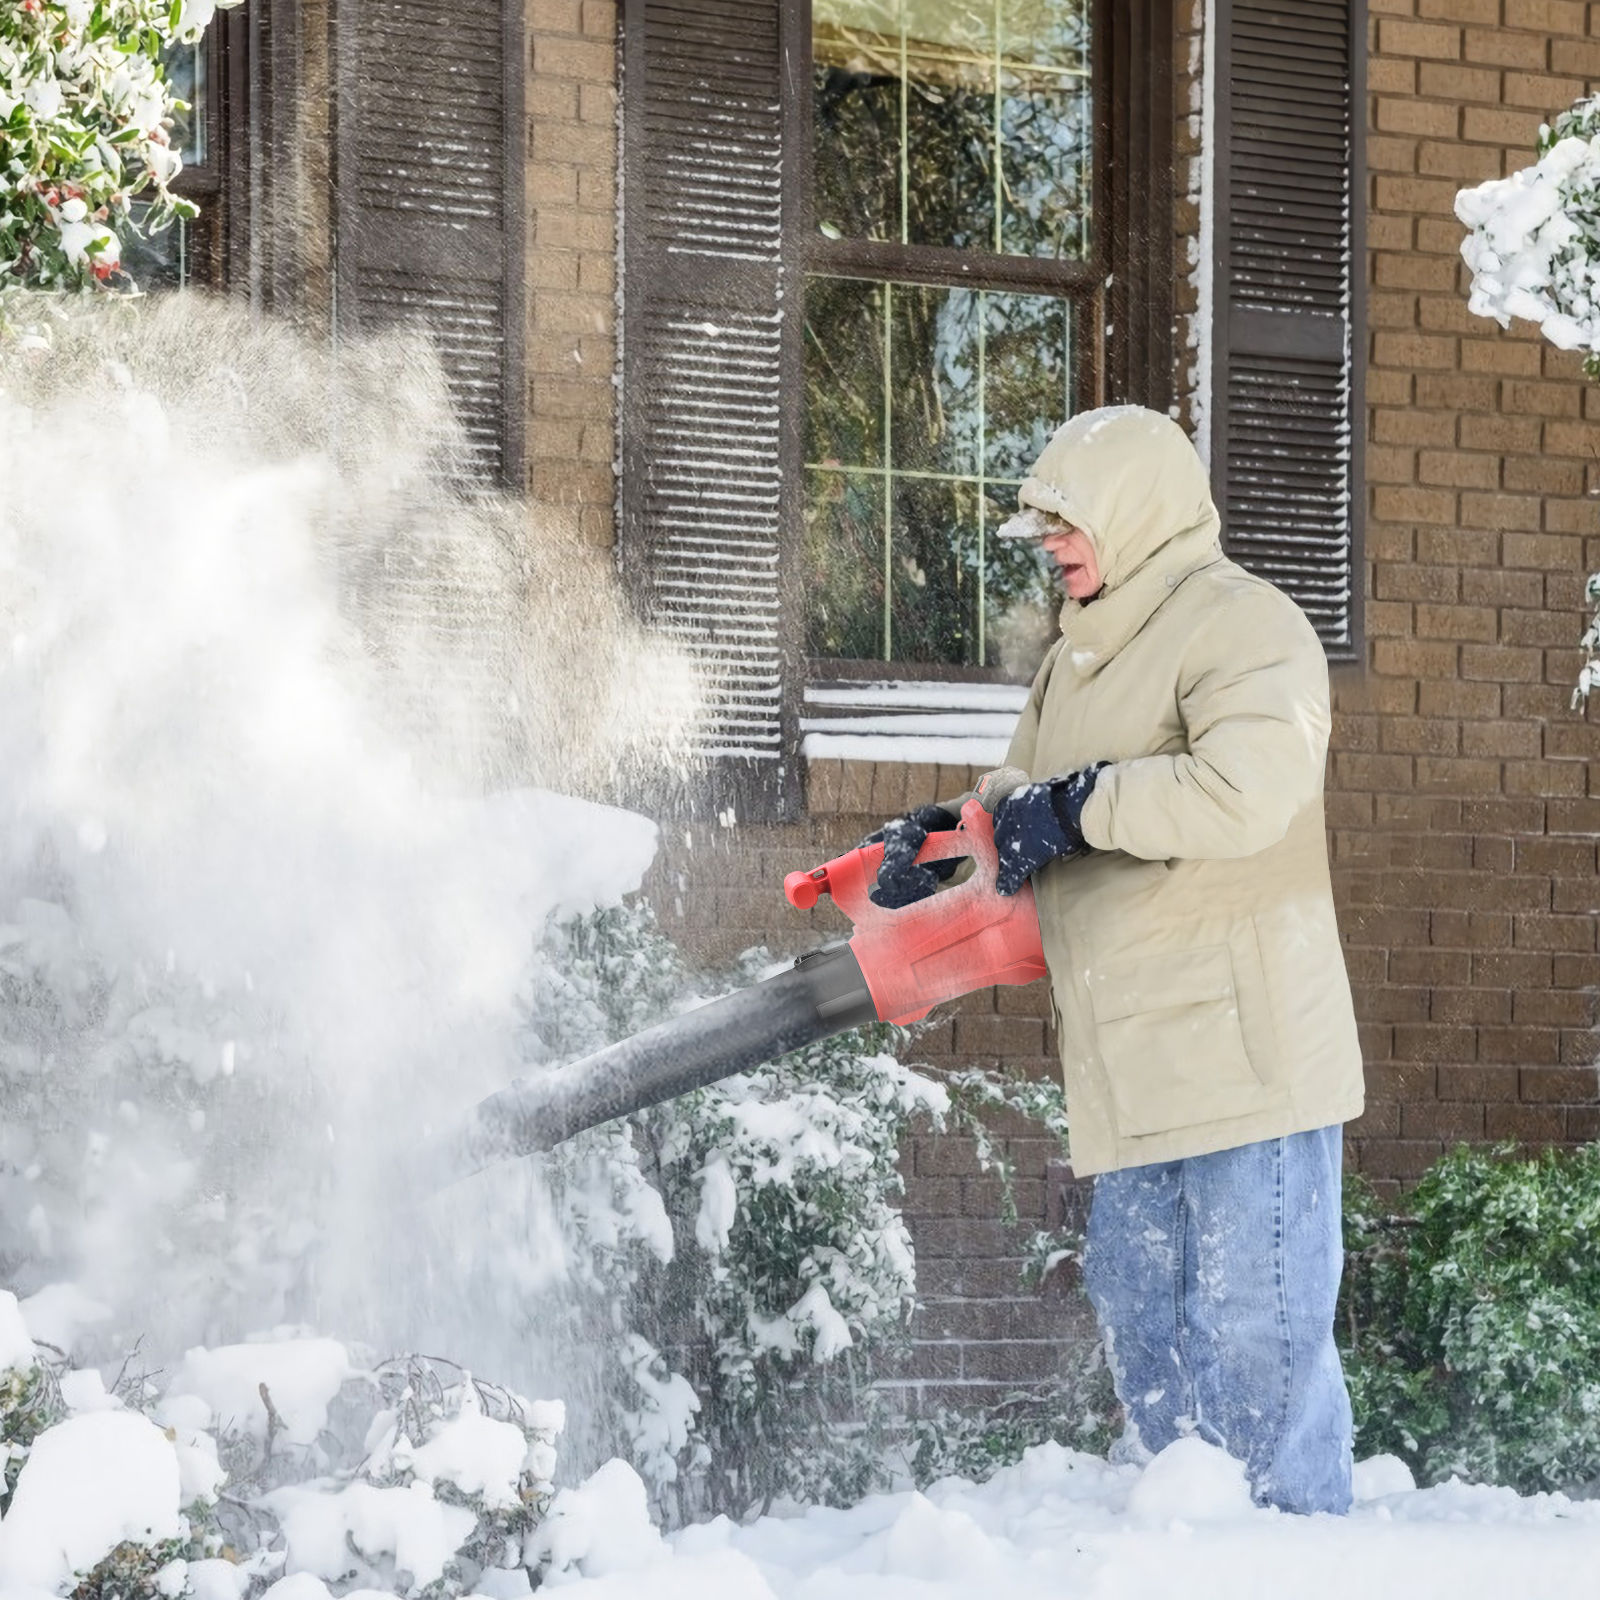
824	993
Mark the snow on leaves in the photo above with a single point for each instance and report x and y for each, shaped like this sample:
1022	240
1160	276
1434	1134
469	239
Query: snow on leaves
85	113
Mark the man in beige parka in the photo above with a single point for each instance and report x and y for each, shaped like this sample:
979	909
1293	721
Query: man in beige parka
1176	736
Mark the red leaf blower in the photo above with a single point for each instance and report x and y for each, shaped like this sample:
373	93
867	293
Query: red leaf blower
895	967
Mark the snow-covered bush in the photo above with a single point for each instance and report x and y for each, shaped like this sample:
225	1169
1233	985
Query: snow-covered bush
1471	1341
85	114
751	1294
1534	248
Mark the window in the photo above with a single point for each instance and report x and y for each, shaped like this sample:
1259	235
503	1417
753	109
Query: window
953	172
873	251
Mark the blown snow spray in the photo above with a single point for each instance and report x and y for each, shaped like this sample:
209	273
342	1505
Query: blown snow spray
895	967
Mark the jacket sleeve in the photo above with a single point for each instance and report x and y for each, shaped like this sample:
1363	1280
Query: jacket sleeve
1253	696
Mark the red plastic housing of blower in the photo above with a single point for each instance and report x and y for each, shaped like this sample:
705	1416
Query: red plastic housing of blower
962	938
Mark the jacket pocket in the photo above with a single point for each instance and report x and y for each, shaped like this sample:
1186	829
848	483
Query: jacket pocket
1169	1036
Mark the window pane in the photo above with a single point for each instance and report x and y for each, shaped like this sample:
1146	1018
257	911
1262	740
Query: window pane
949	154
845	381
1046	135
856	178
160	260
1027	378
1046	33
186	72
933	572
935	410
909	478
844	557
954	123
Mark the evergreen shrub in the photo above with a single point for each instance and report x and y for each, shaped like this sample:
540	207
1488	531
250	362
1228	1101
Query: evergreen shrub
1468	1320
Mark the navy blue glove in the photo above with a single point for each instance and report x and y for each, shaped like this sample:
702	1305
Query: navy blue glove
1041	823
901	882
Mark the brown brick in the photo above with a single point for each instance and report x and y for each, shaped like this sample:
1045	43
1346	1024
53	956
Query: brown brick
1517	128
1505	511
1391	75
1569	516
1461	10
1542	399
1470	1006
1540	91
1430	968
1450	1120
1459	84
1464	469
1390	1004
1457	699
1573	816
1400	1158
1419	736
1436	428
1415	351
1457	391
1503	353
1419	811
1551	16
1534	1125
589	61
1504	47
1416	582
1466	163
1579	57
1504	816
1544	778
1440	236
1580	1047
1432	119
1558	1008
1433	1042
1380	1119
1501	663
1502	588
1483	1082
1458	547
1433	40
1391	464
1545	1085
1389	388
1507	740
1002	1037
1506	435
1439	313
1521	1047
1571	934
1503	969
1385	154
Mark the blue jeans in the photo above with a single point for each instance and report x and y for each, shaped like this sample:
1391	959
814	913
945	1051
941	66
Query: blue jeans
1214	1281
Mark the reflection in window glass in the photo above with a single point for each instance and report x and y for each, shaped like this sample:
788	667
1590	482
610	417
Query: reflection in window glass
160	260
925	407
966	126
186	72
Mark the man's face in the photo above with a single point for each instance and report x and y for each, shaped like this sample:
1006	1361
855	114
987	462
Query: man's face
1071	550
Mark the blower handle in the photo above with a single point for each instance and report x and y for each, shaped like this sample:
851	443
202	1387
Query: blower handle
840	876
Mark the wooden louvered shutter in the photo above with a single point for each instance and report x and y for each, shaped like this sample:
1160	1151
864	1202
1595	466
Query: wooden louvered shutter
1287	417
430	155
712	369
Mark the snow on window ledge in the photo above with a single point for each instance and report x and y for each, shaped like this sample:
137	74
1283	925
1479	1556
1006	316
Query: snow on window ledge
957	724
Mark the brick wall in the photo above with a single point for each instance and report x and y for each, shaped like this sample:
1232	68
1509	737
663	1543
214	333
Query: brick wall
572	273
1465	795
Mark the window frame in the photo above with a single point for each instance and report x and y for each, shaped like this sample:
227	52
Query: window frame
1131	139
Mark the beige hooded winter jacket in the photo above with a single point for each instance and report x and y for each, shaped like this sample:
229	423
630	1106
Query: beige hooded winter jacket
1197	975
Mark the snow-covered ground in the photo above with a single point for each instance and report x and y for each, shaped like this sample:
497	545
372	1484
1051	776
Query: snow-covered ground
1065	1526
1059	1523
